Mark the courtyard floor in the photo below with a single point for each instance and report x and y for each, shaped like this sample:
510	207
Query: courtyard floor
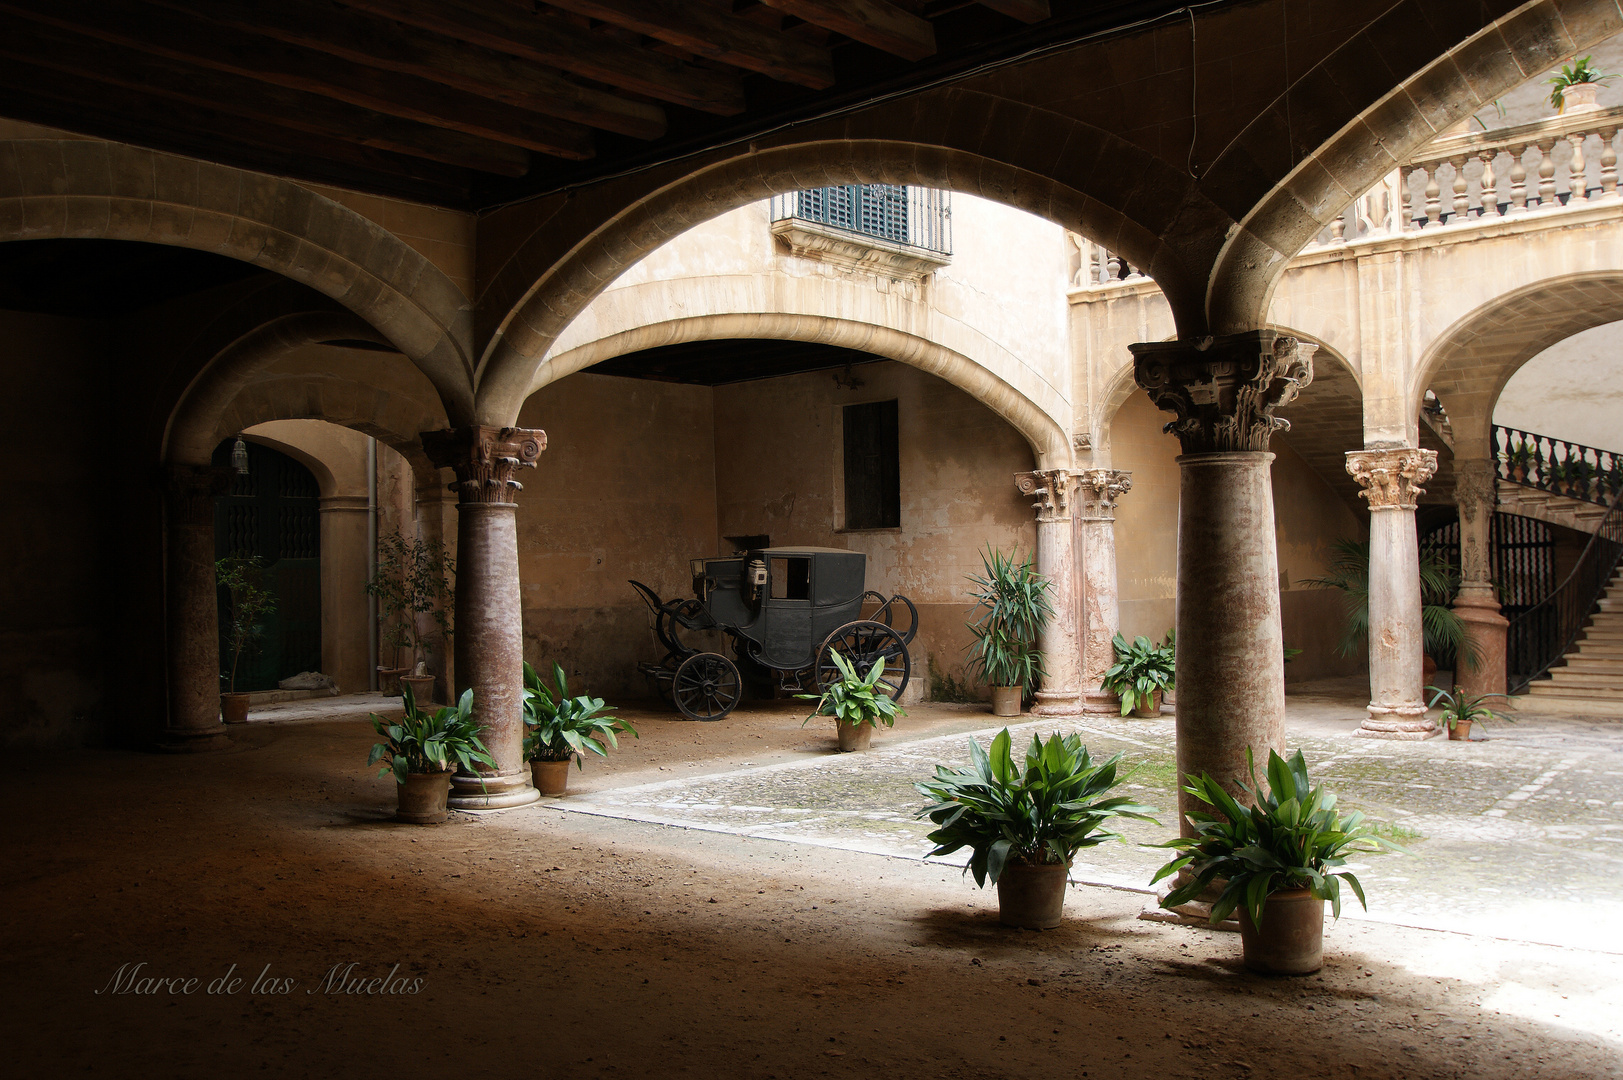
735	899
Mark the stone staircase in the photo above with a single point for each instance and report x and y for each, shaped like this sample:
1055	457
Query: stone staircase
1594	667
1549	507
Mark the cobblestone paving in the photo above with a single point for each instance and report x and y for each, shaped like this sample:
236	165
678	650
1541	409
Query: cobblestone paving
1520	836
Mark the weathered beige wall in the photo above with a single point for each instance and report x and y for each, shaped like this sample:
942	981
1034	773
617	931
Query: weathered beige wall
1146	519
779	471
1573	390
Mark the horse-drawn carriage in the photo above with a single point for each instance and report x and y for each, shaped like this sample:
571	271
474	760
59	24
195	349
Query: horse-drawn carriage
787	611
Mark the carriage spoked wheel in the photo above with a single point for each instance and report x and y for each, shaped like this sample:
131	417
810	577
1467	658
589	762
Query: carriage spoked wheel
863	644
707	686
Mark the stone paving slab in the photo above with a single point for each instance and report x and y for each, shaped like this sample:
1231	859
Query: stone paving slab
1518	837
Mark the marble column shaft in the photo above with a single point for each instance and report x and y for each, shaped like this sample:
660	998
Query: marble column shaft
1391	480
1095	513
1476	495
1230	656
489	628
1059	694
191	608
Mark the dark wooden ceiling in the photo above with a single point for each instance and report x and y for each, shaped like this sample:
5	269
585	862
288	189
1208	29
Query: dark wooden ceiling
470	103
106	278
731	360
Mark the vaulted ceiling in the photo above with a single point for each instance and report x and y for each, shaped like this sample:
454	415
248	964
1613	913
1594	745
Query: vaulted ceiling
470	103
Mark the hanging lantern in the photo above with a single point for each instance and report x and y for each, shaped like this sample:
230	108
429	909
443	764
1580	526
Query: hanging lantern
239	457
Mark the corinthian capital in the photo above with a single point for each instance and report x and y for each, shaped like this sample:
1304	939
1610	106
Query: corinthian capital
1098	490
1053	489
1223	391
486	459
1391	479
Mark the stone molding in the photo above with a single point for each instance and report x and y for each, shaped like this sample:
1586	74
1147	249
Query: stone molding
1224	390
1391	478
1053	489
191	491
857	251
486	459
1099	489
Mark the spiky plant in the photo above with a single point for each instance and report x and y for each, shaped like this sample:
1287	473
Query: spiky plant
1012	608
1442	630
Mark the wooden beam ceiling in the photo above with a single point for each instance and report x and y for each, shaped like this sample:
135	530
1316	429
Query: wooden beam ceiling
872	22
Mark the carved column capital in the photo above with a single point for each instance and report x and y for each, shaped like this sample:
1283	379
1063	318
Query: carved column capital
191	490
1476	488
1224	390
1391	479
486	459
1053	488
1098	490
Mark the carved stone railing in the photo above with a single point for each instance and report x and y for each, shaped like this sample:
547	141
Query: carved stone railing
1556	465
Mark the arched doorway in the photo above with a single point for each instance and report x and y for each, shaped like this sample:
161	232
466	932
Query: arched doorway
272	512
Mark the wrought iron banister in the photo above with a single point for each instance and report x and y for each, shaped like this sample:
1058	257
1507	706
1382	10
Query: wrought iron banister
915	216
1556	465
1543	634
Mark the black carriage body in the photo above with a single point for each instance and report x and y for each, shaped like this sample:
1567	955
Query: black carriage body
783	601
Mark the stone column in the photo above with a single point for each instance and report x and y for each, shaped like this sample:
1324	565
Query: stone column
488	638
1391	481
1101	605
1476	494
1056	561
191	609
1230	660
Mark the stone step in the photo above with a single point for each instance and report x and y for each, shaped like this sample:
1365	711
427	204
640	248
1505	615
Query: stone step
1592	693
1572	680
1605	665
1593	651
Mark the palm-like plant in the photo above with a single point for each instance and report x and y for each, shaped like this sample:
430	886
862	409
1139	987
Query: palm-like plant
1012	601
558	727
1463	708
1043	814
1573	75
1291	838
1443	632
423	742
855	699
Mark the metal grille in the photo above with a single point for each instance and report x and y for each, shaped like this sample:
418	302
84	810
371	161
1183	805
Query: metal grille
300	532
1521	559
917	217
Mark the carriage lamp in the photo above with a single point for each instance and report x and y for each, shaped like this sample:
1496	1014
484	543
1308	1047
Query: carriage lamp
239	457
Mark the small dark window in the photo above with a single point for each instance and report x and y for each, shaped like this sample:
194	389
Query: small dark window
791	579
873	474
750	542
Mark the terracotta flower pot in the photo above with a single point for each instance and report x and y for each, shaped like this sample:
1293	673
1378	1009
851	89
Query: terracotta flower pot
1006	700
1291	938
1461	731
1149	708
234	708
550	777
1031	896
422	688
1579	96
422	798
854	737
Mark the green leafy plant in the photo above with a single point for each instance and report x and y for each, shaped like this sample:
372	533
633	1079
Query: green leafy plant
1572	75
414	579
1461	707
1519	455
1013	607
1142	670
423	742
1043	814
558	727
1290	838
1581	472
855	699
251	603
1443	632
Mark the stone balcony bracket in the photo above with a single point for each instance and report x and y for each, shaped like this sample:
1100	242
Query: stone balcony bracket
857	251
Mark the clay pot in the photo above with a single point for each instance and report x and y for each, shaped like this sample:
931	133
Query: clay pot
1150	708
1461	731
1031	896
1006	700
854	737
550	777
422	688
1291	938
234	708
422	798
1579	96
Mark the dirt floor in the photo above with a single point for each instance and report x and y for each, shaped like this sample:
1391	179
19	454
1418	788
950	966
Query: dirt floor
538	943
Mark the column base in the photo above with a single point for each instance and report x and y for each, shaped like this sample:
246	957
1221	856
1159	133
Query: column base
195	742
1407	722
1058	704
1486	626
496	792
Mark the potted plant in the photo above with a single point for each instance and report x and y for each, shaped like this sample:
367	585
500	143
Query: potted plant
1581	475
413	587
1518	456
1576	86
1462	710
1557	478
243	580
856	703
1014	608
1142	673
1278	859
422	751
1023	827
559	729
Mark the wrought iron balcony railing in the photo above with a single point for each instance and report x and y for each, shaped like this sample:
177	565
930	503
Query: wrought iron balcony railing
1555	465
914	216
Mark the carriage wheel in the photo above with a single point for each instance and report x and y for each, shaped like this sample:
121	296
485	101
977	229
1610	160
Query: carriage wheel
707	686
863	644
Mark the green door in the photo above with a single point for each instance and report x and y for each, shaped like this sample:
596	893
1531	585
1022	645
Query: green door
273	512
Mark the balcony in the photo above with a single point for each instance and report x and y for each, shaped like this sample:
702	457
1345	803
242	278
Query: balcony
904	233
